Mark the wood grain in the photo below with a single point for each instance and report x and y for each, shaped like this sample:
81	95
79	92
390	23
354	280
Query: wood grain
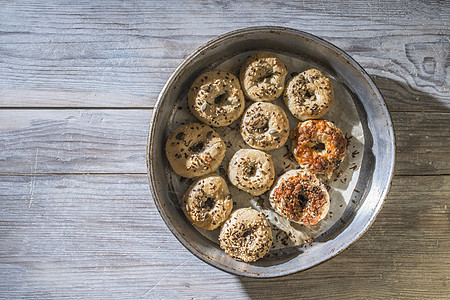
115	141
83	54
74	141
422	141
78	81
101	236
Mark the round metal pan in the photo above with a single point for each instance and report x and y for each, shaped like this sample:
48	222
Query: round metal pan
376	169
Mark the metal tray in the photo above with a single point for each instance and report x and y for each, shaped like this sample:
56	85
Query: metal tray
365	194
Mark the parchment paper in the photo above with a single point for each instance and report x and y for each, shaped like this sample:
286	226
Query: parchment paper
343	113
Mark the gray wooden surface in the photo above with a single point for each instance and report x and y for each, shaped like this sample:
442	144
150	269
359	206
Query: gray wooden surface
78	80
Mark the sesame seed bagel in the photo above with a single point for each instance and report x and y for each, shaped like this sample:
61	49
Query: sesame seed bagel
309	95
208	202
251	171
319	146
194	150
246	235
262	77
265	126
300	197
216	98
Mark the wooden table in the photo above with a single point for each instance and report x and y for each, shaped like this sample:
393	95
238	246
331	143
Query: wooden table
78	81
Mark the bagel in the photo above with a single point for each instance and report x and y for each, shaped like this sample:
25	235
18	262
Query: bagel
208	202
300	197
216	98
265	126
246	235
319	146
251	171
194	150
262	77
309	95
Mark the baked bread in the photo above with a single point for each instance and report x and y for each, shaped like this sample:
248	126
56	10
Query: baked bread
319	146
251	171
300	197
262	77
246	235
208	202
309	95
194	150
265	126
216	98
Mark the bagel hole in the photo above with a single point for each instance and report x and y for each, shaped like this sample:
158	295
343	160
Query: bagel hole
302	199
250	170
220	98
308	94
264	128
265	76
318	147
209	203
248	235
262	125
197	147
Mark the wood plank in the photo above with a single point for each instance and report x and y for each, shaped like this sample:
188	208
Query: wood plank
74	141
399	95
101	236
120	55
65	234
114	141
423	143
